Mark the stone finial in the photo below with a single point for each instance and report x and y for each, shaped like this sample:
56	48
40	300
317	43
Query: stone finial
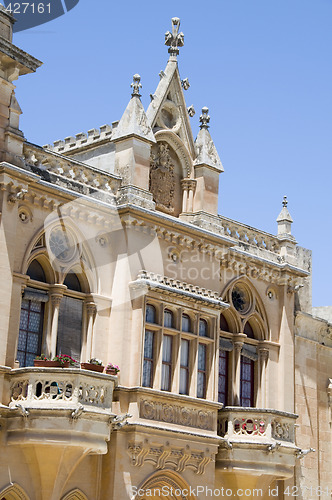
136	85
185	84
284	220
175	39
204	118
191	111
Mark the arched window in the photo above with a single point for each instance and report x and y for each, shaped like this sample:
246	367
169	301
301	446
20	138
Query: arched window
248	330
72	282
150	314
168	318
203	328
223	323
186	323
31	318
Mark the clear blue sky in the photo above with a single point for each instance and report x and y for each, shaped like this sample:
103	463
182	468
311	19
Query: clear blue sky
263	67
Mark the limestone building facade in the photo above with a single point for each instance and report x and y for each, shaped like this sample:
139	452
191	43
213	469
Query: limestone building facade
112	248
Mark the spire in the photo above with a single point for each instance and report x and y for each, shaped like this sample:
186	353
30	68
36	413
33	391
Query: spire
284	220
134	121
205	149
175	39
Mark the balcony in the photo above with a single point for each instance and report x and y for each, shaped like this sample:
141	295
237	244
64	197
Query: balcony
55	416
258	447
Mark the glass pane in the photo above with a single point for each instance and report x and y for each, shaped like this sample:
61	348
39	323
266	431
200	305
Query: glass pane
150	314
70	327
168	318
32	343
165	377
147	374
167	348
34	322
223	377
22	340
185	323
29	359
201	357
247	382
35	306
148	345
184	361
203	330
183	381
20	357
200	385
24	318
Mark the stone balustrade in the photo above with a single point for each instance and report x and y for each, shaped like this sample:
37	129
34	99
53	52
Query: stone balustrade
247	235
71	171
59	388
258	425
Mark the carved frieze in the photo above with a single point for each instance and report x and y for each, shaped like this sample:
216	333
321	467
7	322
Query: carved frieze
162	180
176	414
167	456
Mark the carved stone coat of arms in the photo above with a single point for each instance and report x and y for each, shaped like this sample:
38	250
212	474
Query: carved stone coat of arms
162	181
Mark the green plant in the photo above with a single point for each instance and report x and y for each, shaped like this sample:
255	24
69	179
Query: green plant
42	357
110	366
64	358
95	361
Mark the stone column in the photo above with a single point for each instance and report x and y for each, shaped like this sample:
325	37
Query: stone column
236	372
91	309
56	294
263	356
19	284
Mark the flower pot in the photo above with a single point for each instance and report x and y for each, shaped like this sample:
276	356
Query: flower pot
47	363
92	367
111	371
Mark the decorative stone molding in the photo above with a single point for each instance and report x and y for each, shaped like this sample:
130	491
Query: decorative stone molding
176	458
329	395
176	414
170	285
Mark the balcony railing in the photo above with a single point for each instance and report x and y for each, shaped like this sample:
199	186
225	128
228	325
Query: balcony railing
257	425
60	388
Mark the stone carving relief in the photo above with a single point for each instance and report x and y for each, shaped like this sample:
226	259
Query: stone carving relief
162	179
176	414
168	456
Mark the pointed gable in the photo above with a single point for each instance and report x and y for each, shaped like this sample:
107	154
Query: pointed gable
134	121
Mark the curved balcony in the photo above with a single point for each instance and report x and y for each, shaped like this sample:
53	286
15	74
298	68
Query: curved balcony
258	447
55	416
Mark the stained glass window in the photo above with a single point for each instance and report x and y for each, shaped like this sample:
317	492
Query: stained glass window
30	333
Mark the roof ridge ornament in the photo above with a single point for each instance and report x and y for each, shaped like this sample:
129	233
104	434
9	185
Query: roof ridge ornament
204	118
136	85
285	201
175	39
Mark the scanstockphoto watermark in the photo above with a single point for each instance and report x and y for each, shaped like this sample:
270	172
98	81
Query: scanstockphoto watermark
171	492
272	492
192	265
29	14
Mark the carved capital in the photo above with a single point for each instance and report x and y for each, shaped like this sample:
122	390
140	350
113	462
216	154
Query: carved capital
263	354
90	308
